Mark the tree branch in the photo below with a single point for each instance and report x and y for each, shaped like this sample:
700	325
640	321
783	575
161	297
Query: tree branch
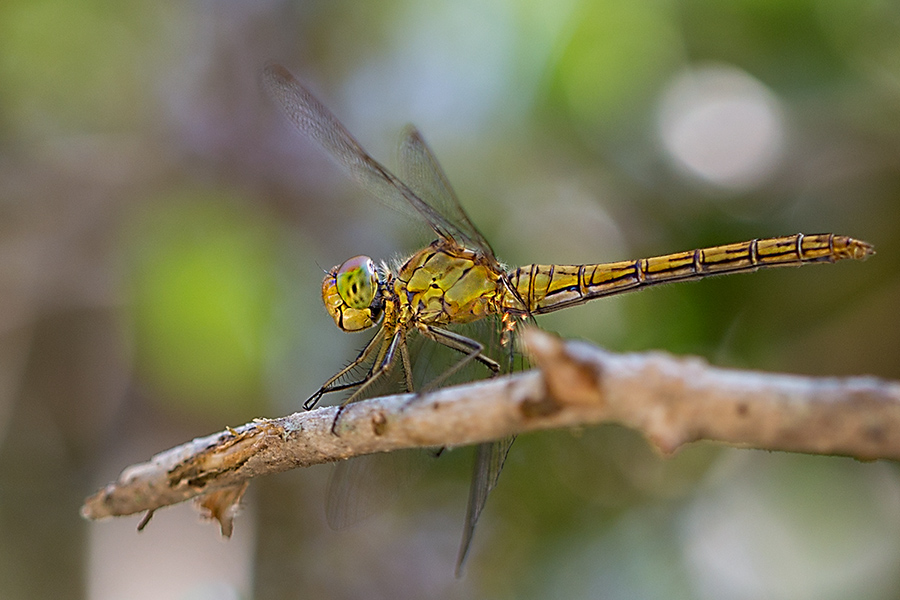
672	400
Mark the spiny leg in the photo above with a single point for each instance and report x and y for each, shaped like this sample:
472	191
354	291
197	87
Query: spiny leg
381	366
407	367
472	349
330	386
410	386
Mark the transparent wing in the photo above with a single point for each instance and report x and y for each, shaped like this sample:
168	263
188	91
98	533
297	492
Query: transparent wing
489	459
367	485
429	196
313	119
424	175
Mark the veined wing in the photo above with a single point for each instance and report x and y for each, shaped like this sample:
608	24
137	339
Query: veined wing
489	459
313	119
422	172
440	208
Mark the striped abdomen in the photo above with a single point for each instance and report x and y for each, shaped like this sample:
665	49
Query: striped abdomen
546	288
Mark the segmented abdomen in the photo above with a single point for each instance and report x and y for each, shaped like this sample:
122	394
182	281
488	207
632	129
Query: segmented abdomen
546	288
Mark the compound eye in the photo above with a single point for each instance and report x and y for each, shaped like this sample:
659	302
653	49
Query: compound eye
357	282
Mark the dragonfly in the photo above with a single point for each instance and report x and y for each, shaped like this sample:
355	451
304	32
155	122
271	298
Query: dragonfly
458	279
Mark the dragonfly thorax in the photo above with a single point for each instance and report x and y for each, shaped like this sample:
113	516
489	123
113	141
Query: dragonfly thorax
446	283
352	294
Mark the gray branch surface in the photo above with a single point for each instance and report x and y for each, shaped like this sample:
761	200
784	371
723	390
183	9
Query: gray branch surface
672	400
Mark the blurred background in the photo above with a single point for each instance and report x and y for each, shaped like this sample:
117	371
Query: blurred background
164	231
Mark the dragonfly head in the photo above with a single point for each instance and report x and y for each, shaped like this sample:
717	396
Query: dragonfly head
351	294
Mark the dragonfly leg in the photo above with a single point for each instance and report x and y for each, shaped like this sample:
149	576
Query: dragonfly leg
472	349
331	385
380	367
407	368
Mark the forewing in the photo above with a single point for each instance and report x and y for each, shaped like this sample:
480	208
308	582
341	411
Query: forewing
313	119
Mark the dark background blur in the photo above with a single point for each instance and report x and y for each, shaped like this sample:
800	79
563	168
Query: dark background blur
163	232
